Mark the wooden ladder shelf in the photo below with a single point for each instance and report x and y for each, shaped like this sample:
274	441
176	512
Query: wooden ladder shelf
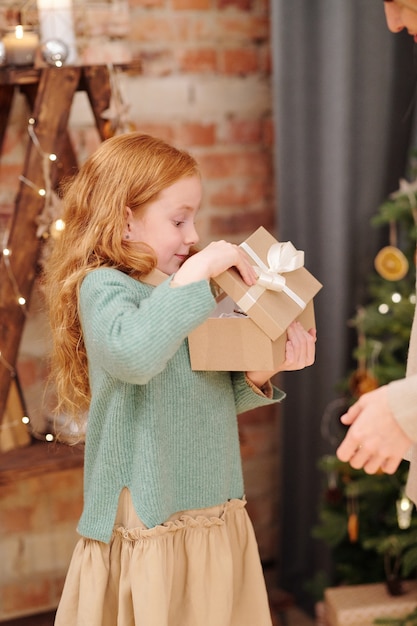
49	93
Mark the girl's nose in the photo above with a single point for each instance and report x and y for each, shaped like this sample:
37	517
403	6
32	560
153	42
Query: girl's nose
192	236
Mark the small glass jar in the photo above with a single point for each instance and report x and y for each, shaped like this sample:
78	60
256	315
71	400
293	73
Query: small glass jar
20	45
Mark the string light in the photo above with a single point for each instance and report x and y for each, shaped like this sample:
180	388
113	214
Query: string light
404	508
19	298
47	222
48	437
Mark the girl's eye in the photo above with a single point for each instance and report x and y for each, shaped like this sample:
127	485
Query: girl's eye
178	223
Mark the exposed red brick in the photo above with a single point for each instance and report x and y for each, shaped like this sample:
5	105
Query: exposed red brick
241	61
242	27
242	131
242	5
67	509
195	134
157	62
268	131
154	28
238	163
147	4
34	593
16	520
198	5
238	222
239	194
163	131
200	60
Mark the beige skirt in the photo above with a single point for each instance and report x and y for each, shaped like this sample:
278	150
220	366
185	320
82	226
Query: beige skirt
200	568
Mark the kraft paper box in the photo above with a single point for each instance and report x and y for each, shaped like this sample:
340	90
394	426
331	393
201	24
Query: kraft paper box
255	342
238	344
360	605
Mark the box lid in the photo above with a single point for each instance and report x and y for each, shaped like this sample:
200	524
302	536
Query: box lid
273	311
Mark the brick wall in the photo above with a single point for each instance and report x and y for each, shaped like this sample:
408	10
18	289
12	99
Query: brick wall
204	85
38	518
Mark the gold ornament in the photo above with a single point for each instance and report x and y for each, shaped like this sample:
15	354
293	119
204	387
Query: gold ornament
353	527
391	263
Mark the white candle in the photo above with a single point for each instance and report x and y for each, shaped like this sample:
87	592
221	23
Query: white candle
56	22
20	46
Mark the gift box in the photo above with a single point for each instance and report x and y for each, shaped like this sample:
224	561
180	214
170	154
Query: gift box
256	340
360	605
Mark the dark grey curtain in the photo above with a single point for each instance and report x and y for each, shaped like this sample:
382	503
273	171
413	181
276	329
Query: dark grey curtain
343	101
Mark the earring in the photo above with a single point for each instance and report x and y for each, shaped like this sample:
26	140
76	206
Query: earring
127	237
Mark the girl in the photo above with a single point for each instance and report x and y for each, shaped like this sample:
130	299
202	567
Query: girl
166	540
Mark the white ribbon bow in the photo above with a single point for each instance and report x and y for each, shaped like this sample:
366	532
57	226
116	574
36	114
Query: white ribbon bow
282	257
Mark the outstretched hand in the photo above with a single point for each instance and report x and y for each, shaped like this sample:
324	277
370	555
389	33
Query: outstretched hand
214	259
375	441
300	352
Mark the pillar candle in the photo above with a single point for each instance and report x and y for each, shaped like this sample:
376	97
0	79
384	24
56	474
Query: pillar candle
56	22
20	46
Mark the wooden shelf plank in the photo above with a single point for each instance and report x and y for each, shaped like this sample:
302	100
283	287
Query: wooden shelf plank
39	458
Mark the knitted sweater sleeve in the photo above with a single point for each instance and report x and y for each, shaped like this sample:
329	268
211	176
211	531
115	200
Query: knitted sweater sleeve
402	397
246	398
402	394
132	329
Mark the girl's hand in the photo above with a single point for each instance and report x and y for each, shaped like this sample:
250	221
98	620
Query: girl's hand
300	352
214	259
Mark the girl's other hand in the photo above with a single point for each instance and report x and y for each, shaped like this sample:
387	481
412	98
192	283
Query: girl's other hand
300	352
214	259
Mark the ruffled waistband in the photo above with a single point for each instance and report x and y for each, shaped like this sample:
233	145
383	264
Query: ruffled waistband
195	519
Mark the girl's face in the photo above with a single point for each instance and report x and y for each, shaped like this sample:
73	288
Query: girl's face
402	14
167	223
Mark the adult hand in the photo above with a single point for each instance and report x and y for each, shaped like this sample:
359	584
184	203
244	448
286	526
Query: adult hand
214	259
374	440
300	352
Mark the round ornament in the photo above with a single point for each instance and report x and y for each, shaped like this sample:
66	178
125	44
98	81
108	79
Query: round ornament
361	382
54	52
391	263
2	54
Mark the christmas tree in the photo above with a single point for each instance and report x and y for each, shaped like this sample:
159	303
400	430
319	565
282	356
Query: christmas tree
366	520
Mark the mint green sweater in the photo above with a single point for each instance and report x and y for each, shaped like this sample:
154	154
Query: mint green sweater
166	433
